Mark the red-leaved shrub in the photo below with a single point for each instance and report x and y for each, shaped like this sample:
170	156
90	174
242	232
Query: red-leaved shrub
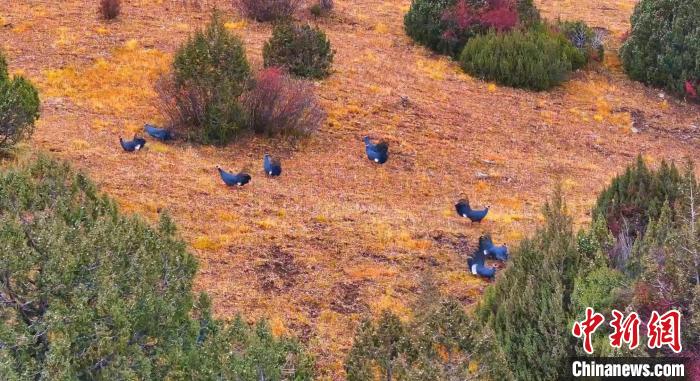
467	18
501	19
109	9
267	10
279	104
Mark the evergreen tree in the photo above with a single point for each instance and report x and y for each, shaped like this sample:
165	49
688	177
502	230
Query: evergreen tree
528	307
442	342
87	293
210	72
663	47
19	108
637	196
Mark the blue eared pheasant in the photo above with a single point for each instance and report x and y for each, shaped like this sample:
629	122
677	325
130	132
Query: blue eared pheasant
132	145
158	133
272	167
499	253
233	179
378	153
477	265
464	210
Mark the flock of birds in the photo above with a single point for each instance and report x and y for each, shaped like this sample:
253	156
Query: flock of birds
377	153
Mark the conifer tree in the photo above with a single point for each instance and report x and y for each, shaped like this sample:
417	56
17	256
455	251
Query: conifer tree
87	293
528	307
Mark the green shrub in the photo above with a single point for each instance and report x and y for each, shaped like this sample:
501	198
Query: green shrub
663	47
316	10
598	289
529	305
441	342
535	59
87	293
321	8
300	49
210	72
19	108
636	197
528	13
424	24
445	26
583	38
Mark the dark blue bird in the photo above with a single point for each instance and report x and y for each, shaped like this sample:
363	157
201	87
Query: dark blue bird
478	267
132	145
464	210
272	166
378	153
499	252
158	133
234	179
496	252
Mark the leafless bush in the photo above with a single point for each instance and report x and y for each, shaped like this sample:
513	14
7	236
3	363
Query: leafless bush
278	104
267	10
109	9
184	106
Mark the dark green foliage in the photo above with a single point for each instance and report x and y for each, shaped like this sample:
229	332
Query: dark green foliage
668	258
528	13
385	345
663	48
432	22
662	266
599	289
535	59
635	197
442	343
692	331
89	294
424	24
302	50
316	10
321	8
244	352
529	305
555	275
583	38
209	73
19	108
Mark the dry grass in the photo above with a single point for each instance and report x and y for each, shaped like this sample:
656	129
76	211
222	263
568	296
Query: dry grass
341	223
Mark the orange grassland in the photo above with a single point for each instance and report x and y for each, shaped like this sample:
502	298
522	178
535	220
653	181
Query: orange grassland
337	238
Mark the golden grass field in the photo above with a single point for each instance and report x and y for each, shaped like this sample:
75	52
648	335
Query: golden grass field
336	238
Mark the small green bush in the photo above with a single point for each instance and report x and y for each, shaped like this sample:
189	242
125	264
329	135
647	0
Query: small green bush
535	59
301	50
316	10
19	108
636	197
210	72
321	8
663	47
443	342
528	13
424	24
583	38
445	26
